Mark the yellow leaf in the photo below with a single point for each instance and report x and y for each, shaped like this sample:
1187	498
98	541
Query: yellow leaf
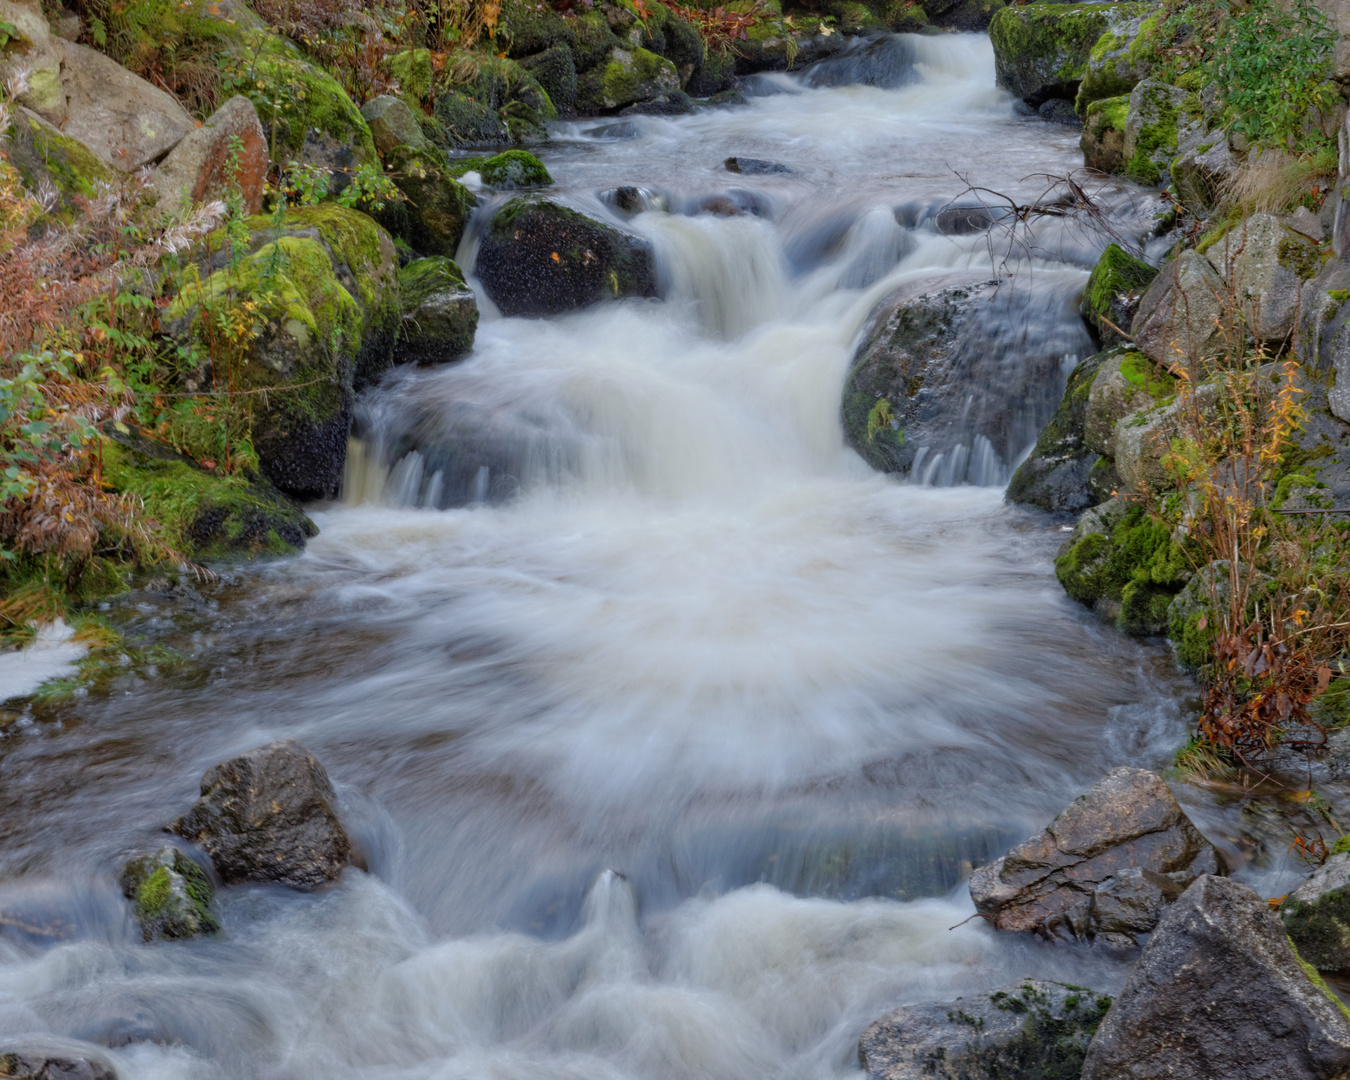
122	428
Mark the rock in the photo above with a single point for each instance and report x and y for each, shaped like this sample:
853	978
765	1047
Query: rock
1026	1031
43	156
1337	14
438	206
1041	51
1126	383
327	314
514	169
527	29
1218	992
716	75
1266	267
671	103
755	167
1055	476
1059	111
1152	128
1112	293
540	258
124	120
170	895
556	71
31	61
1121	57
440	313
269	816
1194	645
227	151
963	220
1202	169
1316	916
1181	315
497	101
628	75
52	1064
1103	139
1142	441
392	124
1107	865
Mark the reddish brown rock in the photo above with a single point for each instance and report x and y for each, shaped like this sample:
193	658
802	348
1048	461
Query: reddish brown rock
203	166
1104	868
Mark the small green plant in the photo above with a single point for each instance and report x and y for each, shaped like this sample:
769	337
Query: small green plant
881	420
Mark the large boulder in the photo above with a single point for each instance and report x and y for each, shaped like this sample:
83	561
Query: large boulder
437	207
44	157
1041	51
556	71
1056	477
1112	293
1027	1031
269	816
440	313
492	100
229	151
170	896
1126	383
1104	868
1103	138
1218	992
1182	314
540	258
393	125
1123	55
1202	169
1266	267
1316	916
628	75
1152	128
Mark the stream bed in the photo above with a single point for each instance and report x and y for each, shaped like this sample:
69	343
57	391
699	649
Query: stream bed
668	741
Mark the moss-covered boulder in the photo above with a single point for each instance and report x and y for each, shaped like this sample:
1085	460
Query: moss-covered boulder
1191	617
1126	382
306	113
1266	268
594	39
1056	475
716	74
1125	565
1183	314
440	312
555	70
170	895
514	169
1112	293
438	206
626	76
1028	1031
205	516
1203	168
44	156
393	124
491	100
1041	51
1103	138
526	29
540	258
1152	127
1316	916
1122	56
317	310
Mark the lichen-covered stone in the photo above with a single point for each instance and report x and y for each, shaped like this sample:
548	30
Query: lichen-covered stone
43	155
1030	1030
1122	56
627	76
269	815
225	155
1265	267
170	896
1202	169
392	124
1218	992
1127	382
1056	475
33	53
1152	128
1107	865
1041	51
495	100
440	312
1103	138
1182	314
438	206
540	258
1317	916
1112	293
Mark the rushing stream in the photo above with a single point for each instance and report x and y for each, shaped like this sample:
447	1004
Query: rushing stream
668	730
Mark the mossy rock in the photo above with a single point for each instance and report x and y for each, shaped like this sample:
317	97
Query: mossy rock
1131	568
1152	126
716	74
438	207
540	258
1103	138
1122	56
1192	619
440	312
682	45
1112	293
556	71
170	895
207	517
628	75
1041	51
532	28
492	100
1317	916
514	169
1055	477
594	39
317	122
41	154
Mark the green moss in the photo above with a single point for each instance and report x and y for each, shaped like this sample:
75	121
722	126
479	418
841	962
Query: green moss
422	278
1036	44
1108	114
1299	945
39	152
1051	1044
416	77
170	895
1339	295
153	895
1303	257
1156	136
1117	273
514	168
1142	372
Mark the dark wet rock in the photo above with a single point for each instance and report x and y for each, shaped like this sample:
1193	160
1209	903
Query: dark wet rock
170	895
1041	51
727	97
437	206
1105	867
628	75
963	220
630	200
556	71
1056	477
755	167
1059	111
1031	1030
440	312
624	129
886	62
24	1064
954	383
269	816
540	258
1316	916
1103	138
1218	992
671	103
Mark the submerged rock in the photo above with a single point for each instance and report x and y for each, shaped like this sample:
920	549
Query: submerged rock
269	816
1317	916
170	895
440	312
1031	1030
1218	992
540	258
1104	868
755	167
